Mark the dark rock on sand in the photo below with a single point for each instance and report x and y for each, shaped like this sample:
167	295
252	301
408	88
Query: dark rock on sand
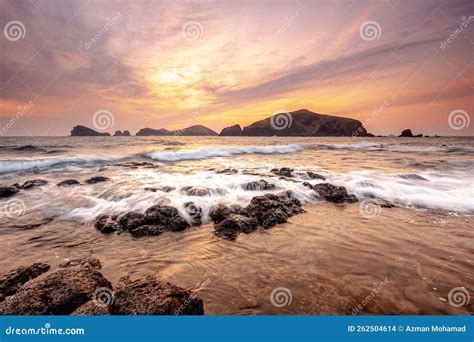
235	224
333	193
34	183
132	220
166	217
219	213
148	296
234	130
258	185
97	179
272	209
79	288
81	131
7	191
58	293
194	212
313	175
89	263
195	191
105	224
68	182
11	281
284	171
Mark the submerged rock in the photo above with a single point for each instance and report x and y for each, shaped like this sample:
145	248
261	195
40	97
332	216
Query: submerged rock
105	224
7	191
132	220
164	188
166	217
272	209
313	175
148	296
68	182
91	263
333	193
258	185
195	191
284	171
228	171
11	281
194	212
34	183
235	224
97	179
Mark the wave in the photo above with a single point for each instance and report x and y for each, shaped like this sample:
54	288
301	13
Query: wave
205	153
41	164
358	146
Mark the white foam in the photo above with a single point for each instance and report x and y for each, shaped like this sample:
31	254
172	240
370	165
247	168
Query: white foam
204	153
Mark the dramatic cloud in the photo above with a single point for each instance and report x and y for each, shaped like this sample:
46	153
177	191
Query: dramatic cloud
173	63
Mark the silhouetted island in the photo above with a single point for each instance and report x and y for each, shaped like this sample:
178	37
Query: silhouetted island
298	123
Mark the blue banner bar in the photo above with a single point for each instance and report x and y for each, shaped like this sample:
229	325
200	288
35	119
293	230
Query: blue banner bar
237	328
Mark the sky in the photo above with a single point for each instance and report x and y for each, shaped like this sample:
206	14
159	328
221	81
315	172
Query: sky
115	65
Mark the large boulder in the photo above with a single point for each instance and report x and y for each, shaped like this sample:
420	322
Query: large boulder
12	280
272	209
34	183
258	185
148	296
105	224
58	293
7	191
235	224
132	220
166	217
333	193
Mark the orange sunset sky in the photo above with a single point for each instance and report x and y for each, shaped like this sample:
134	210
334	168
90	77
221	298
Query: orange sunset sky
171	64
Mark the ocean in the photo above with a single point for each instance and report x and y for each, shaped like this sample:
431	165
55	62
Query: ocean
329	258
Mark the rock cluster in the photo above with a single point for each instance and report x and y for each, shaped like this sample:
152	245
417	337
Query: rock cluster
79	288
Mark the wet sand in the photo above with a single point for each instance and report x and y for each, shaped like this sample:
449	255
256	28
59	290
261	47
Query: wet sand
329	260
